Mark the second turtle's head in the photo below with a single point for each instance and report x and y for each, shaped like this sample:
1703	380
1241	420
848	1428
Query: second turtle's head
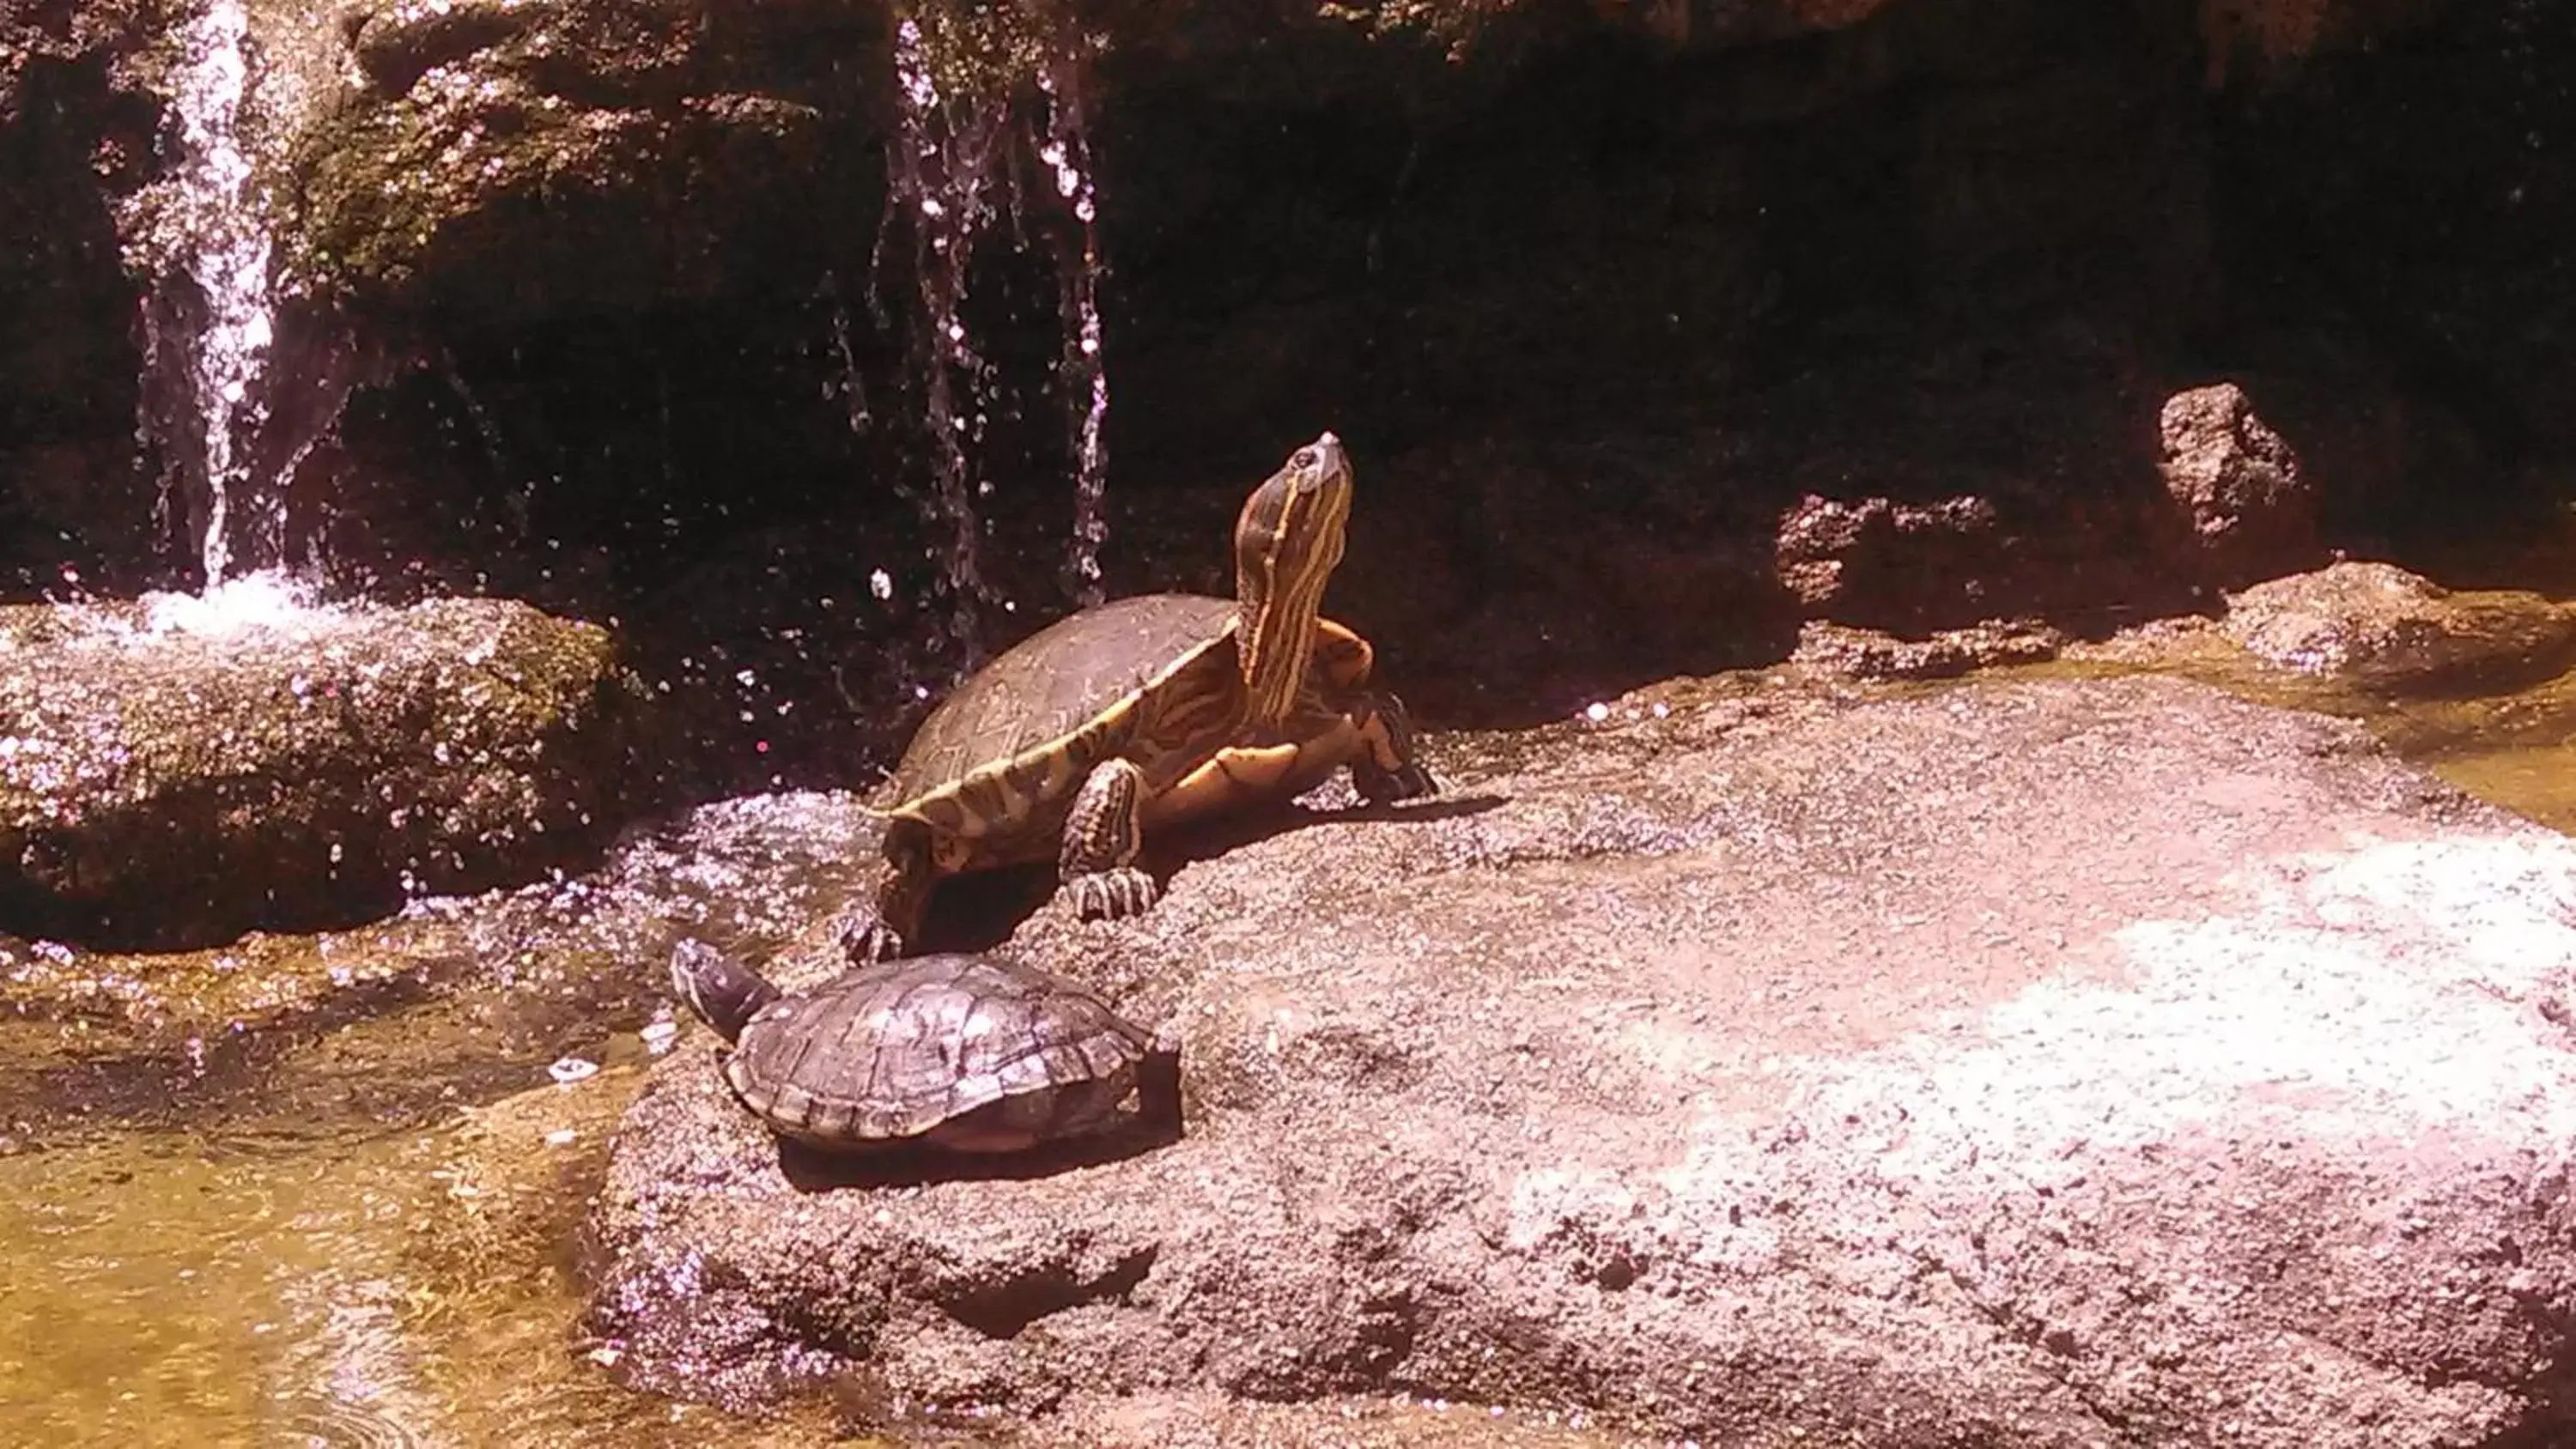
1287	541
723	992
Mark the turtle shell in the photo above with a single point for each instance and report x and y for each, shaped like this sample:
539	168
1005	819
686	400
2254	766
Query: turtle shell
968	1052
1058	680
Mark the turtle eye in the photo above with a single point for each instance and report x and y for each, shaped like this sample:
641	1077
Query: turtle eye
1305	461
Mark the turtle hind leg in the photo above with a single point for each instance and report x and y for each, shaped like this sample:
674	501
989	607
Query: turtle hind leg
1102	838
1388	766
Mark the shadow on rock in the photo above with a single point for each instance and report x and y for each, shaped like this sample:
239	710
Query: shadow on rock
812	1169
980	911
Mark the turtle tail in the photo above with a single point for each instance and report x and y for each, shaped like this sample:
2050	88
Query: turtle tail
722	991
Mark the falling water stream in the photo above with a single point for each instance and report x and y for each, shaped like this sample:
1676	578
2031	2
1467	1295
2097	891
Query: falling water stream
229	262
238	392
1082	373
941	171
951	181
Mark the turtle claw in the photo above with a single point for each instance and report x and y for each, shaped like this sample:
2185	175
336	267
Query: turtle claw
1379	786
1113	894
865	938
1389	766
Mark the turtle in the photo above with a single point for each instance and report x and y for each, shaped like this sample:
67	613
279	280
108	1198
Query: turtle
966	1053
1130	717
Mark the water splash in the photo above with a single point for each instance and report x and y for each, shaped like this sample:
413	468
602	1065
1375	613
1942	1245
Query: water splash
851	386
518	501
265	600
2525	45
941	172
227	246
1081	370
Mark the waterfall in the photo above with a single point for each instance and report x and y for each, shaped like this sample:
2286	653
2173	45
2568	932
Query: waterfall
950	178
226	244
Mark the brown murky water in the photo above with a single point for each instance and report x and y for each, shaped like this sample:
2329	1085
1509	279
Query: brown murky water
354	1223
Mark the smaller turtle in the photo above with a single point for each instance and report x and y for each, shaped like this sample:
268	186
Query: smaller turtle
964	1053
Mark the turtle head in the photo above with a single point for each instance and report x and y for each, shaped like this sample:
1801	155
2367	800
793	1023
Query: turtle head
723	992
1286	542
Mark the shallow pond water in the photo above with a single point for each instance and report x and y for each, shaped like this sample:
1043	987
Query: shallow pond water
354	1222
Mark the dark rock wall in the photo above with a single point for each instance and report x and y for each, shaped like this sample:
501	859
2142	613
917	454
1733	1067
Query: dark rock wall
73	133
2406	214
1648	350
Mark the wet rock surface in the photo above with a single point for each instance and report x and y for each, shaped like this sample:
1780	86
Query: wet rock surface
164	788
393	1022
1945	654
2380	627
626	257
1774	360
2036	1064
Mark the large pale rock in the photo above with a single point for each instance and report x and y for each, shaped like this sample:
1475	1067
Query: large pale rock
2070	1063
162	786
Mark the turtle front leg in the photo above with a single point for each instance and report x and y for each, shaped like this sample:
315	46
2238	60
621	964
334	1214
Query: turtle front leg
1102	838
888	921
1388	766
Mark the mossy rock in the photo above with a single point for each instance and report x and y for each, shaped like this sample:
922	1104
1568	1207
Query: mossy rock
160	790
567	157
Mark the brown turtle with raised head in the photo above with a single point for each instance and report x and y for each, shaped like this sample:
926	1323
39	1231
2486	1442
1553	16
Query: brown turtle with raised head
1129	718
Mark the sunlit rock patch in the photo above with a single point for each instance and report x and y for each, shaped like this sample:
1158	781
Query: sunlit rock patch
2011	1065
2379	627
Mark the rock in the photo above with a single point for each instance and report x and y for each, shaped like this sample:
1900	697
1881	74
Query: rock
75	128
161	788
2237	483
1923	567
1944	654
2012	1065
2385	629
528	161
1823	541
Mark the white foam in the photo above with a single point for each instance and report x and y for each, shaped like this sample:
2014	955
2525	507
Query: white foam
266	600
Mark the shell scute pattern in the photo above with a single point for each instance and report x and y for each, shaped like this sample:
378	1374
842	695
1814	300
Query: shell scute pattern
898	1050
1146	677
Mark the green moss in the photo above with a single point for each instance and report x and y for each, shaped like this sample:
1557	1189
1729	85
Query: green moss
378	185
